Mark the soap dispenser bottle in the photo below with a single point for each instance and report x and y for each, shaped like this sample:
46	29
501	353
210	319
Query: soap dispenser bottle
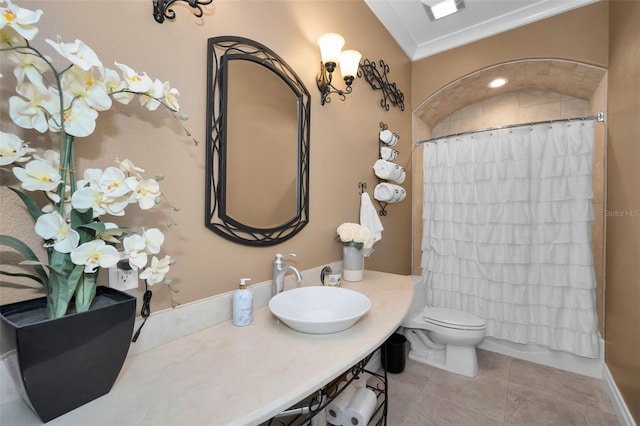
242	304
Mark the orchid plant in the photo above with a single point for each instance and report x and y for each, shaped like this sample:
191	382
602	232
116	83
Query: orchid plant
78	236
356	235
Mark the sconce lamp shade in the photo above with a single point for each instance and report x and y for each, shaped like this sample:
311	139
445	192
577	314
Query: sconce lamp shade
349	62
330	47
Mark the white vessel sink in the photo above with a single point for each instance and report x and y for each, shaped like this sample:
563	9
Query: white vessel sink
319	309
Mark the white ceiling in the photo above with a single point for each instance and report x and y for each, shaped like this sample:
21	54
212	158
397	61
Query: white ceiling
419	37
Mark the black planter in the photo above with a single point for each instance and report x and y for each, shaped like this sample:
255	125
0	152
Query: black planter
63	363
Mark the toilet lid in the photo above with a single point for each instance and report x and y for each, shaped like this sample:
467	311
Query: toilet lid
453	318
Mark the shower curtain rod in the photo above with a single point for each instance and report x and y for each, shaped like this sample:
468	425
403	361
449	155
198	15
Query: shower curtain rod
598	117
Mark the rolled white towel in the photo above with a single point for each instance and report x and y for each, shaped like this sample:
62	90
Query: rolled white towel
388	137
389	192
388	154
387	170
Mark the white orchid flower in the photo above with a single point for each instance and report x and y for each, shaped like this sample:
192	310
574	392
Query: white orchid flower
55	199
30	113
91	177
114	183
13	149
171	97
52	226
77	53
134	246
88	195
19	19
51	157
134	81
115	87
31	67
145	193
153	239
80	119
128	167
84	87
88	198
150	101
37	175
94	254
9	38
157	270
91	197
115	206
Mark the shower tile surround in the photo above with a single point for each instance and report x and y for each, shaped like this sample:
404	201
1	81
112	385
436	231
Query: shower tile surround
506	391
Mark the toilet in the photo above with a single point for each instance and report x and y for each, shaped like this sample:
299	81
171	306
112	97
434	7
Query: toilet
441	337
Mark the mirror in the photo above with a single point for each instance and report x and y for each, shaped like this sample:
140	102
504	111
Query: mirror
257	164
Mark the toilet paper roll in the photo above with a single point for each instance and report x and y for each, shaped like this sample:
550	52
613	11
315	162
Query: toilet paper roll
335	410
361	408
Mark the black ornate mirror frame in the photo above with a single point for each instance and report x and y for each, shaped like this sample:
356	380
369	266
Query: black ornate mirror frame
219	51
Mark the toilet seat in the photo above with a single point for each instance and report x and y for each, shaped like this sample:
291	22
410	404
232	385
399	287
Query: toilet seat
451	318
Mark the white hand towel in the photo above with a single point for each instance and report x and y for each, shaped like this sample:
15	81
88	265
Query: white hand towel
389	192
369	218
390	171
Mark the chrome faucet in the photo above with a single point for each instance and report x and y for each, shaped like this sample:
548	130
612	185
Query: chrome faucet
279	271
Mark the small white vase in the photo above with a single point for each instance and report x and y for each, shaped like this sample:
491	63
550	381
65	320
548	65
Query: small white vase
352	263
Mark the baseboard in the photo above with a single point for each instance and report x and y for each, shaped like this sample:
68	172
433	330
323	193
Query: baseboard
590	367
620	407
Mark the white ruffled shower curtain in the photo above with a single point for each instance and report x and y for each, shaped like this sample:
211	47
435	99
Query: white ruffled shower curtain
507	232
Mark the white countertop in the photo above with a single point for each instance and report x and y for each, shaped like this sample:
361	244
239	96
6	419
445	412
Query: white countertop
226	375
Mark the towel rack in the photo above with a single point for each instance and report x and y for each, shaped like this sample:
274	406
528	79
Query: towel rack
362	186
382	204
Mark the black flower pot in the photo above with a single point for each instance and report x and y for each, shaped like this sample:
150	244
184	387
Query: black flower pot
60	364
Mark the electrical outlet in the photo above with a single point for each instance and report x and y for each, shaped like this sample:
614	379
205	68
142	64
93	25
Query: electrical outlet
123	276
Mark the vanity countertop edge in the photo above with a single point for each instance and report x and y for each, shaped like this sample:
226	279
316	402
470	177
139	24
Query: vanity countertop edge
227	375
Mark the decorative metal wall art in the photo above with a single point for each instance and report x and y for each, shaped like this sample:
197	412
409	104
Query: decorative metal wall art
161	8
378	80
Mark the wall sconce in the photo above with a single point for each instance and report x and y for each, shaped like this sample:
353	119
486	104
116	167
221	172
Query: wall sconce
332	54
161	8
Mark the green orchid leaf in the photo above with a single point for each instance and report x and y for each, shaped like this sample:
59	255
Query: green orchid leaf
31	205
63	288
22	275
61	263
85	292
44	265
79	220
28	254
100	229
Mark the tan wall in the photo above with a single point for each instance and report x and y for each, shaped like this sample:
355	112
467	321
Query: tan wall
622	334
343	134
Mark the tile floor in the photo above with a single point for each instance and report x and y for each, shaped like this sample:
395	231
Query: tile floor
506	391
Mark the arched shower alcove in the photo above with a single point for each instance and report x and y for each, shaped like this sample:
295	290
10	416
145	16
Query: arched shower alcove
537	90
